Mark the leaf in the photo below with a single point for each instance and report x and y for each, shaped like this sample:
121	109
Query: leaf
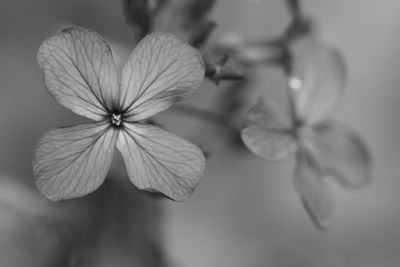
343	154
268	132
317	79
73	161
79	71
158	161
316	197
162	69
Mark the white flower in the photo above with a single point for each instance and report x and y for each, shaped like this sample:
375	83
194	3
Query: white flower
79	72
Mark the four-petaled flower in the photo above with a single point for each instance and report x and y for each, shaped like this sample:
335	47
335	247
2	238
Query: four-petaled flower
323	147
79	71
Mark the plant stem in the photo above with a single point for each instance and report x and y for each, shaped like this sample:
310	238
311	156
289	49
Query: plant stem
294	7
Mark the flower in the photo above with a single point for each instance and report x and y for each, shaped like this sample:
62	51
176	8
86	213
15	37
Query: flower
79	72
324	148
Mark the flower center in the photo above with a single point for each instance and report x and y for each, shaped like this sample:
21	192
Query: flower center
116	119
305	132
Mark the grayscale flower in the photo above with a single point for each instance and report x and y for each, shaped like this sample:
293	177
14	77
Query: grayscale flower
79	71
324	148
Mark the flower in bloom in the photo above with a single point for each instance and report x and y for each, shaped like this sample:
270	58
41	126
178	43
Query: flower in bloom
325	149
80	73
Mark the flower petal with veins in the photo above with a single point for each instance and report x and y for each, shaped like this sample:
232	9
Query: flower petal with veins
161	69
159	161
79	71
73	161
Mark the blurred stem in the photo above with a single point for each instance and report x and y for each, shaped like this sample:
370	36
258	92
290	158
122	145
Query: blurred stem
205	115
294	7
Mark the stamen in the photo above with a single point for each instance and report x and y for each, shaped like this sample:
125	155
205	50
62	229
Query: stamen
116	119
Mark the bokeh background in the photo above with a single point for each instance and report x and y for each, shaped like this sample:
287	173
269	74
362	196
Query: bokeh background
245	211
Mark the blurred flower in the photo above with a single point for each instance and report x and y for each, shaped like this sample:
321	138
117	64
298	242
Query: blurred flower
79	72
324	148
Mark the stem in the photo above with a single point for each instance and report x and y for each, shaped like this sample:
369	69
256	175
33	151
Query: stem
287	69
294	7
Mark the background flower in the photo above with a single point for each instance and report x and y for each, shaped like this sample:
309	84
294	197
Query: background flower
323	148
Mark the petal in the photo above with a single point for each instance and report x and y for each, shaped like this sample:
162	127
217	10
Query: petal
162	69
343	154
317	79
268	132
79	71
73	161
315	194
159	161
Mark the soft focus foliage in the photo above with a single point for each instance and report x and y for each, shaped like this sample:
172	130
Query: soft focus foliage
116	225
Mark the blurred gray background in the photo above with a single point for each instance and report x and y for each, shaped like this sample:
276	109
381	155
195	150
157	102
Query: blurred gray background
245	211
